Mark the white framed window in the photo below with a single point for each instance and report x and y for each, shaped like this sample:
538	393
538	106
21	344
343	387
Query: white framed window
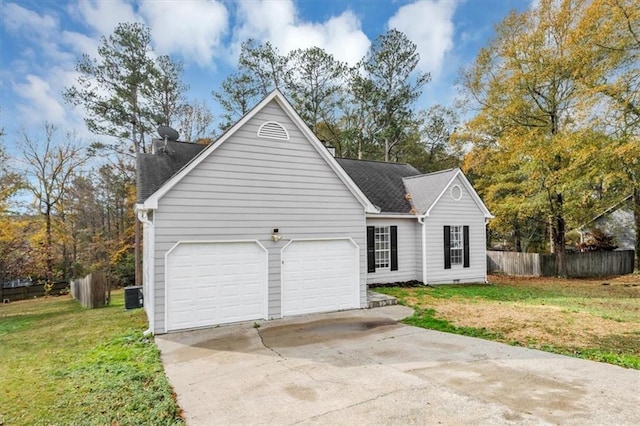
382	246
457	245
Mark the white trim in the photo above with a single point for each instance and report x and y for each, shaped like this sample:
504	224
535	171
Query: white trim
474	195
152	201
422	220
183	242
148	265
357	266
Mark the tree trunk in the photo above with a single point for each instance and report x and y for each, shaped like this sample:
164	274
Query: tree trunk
636	220
558	236
517	237
49	244
386	150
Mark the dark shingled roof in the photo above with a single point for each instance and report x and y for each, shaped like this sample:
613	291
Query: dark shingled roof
153	170
381	182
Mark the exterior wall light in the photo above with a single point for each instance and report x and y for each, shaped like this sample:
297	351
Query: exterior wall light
275	236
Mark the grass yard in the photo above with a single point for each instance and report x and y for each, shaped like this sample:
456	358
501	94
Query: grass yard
63	364
597	319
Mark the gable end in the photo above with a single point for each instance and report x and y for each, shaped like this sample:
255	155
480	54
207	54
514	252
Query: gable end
273	130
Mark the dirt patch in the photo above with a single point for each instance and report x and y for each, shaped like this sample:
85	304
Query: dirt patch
568	313
619	286
540	325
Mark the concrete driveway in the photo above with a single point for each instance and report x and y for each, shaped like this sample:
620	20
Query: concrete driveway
362	367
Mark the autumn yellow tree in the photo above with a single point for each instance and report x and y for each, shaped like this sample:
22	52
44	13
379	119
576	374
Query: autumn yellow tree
608	42
529	132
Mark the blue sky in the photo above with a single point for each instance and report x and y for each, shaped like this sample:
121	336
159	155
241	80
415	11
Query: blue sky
40	41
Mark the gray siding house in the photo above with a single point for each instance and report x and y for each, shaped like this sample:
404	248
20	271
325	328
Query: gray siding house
265	223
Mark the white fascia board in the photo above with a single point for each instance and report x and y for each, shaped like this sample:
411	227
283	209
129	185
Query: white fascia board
152	201
474	195
324	153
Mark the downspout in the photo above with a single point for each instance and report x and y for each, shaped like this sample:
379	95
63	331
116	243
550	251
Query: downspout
143	216
486	268
421	220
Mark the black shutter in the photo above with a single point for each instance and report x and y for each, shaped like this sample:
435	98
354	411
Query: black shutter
394	248
447	247
371	249
465	236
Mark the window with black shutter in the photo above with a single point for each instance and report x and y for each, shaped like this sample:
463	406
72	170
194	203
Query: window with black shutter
456	246
394	248
382	248
371	249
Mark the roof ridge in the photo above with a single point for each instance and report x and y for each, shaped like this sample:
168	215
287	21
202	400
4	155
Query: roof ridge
433	173
372	161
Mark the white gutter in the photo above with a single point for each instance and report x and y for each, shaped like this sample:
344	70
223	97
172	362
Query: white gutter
421	220
143	216
390	216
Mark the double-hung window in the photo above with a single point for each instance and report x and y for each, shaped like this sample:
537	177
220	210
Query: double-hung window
456	246
382	246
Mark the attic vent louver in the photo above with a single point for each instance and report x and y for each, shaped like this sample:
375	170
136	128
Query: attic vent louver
273	130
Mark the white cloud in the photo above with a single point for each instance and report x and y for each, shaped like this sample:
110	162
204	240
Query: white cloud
17	19
104	16
191	29
80	43
429	24
41	30
277	22
41	101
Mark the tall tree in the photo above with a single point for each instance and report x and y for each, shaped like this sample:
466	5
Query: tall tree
264	65
126	94
10	181
608	37
112	88
165	91
386	87
195	121
261	69
50	167
524	82
238	93
315	86
431	149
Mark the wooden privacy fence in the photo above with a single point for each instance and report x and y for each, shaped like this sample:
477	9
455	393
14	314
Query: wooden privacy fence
30	291
91	291
590	264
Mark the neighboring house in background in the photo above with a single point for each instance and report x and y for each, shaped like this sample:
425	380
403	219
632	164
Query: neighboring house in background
617	222
265	223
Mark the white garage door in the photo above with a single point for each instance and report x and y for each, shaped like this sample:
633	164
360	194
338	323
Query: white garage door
215	283
320	276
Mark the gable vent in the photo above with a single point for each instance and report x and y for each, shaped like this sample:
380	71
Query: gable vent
273	130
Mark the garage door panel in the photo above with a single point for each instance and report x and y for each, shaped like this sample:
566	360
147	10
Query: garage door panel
320	276
209	284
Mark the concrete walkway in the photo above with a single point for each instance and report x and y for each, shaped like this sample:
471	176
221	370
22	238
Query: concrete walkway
362	367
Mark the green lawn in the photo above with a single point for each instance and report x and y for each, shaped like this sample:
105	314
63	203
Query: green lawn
63	364
594	319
